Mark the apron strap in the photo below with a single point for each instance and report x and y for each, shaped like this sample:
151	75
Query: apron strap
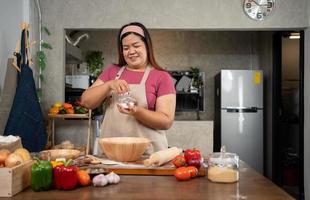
27	46
23	50
23	43
17	56
119	73
145	75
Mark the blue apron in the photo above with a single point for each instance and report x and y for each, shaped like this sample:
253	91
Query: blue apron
26	118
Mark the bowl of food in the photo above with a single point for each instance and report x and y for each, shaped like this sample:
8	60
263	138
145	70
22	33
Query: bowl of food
124	149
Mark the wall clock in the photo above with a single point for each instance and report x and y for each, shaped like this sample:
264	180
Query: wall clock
258	9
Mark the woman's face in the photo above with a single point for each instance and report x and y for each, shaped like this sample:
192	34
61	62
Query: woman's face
134	51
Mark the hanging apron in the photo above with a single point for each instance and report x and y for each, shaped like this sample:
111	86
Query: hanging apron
26	118
117	124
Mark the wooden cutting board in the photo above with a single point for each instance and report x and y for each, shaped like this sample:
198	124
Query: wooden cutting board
137	168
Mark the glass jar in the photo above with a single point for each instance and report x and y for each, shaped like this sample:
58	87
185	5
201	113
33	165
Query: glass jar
45	155
126	100
223	167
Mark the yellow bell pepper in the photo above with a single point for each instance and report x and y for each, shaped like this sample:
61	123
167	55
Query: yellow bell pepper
54	110
57	105
57	163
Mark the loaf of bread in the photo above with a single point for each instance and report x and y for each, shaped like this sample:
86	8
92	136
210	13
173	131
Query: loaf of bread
222	174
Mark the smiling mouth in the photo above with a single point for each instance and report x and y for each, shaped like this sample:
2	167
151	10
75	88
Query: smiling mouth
133	57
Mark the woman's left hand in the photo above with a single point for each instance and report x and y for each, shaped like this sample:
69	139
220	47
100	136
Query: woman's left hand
129	111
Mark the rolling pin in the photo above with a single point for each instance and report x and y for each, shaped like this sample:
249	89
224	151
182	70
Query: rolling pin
161	157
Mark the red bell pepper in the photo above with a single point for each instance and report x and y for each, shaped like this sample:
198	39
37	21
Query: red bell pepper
190	154
65	176
193	157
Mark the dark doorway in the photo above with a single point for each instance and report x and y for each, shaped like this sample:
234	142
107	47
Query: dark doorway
288	107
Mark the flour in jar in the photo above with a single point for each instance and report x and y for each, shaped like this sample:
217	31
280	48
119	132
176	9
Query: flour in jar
126	100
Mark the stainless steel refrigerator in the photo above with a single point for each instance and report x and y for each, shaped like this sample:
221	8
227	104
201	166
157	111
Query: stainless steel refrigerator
239	115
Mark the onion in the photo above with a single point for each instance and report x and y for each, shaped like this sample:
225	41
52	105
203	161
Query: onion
4	153
13	160
24	153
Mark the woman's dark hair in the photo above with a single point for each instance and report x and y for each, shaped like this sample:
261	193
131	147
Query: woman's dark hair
147	41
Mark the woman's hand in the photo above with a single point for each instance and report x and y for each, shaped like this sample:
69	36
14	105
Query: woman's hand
160	119
131	110
119	86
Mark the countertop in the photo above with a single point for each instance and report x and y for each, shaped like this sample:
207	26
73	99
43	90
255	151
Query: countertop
251	186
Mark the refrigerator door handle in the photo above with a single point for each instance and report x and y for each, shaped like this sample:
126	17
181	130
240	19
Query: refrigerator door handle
242	110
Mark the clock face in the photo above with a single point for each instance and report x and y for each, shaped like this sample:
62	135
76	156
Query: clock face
258	9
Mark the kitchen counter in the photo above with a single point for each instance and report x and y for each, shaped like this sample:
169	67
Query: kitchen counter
252	186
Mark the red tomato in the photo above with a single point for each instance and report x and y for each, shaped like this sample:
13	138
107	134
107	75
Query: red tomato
192	154
193	171
67	106
179	161
182	174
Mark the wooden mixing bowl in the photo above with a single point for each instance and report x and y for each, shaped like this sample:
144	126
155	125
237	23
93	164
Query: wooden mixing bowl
124	149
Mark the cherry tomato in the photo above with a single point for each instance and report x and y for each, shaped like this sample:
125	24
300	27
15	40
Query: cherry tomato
182	174
179	161
193	171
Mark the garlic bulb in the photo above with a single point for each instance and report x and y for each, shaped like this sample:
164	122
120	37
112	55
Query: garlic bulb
100	180
113	178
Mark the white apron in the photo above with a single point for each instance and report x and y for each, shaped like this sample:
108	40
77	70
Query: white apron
116	124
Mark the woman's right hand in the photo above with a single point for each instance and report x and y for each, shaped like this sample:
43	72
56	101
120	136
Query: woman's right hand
119	86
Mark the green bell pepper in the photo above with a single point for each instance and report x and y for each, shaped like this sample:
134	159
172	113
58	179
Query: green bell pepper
80	110
41	175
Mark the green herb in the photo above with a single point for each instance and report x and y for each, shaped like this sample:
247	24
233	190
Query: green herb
41	60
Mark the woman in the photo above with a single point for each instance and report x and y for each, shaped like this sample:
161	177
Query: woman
138	73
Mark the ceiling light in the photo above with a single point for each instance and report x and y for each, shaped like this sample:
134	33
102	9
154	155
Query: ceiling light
294	36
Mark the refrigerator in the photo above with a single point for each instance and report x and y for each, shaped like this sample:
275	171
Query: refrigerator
238	120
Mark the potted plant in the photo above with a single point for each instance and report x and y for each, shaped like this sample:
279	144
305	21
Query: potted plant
197	84
197	80
95	65
94	62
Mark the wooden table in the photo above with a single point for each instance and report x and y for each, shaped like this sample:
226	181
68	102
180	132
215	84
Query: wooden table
251	186
86	116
